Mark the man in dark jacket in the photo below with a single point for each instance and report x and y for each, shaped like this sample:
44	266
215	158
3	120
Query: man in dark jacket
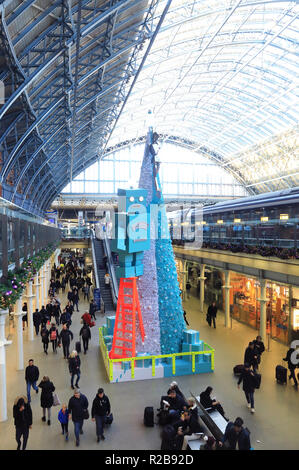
247	376
259	348
92	309
176	404
31	377
78	404
65	337
235	435
44	316
65	318
86	336
291	365
22	414
250	356
211	314
36	320
100	409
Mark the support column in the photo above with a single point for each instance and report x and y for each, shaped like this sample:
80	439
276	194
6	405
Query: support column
19	327
57	253
46	283
42	281
3	342
184	273
202	279
226	288
263	309
36	286
30	297
3	314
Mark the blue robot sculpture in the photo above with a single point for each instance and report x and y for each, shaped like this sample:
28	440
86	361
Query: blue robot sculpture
132	232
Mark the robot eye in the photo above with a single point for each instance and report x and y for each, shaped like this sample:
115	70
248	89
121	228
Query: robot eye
132	199
141	198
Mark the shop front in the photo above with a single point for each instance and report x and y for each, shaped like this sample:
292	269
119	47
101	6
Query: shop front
245	305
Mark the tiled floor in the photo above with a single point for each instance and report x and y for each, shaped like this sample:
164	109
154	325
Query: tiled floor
274	426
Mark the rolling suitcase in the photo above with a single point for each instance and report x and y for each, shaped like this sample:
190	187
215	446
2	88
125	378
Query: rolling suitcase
78	346
238	369
257	380
281	374
149	416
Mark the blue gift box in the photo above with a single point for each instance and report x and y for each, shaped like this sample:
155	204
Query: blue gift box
186	347
190	336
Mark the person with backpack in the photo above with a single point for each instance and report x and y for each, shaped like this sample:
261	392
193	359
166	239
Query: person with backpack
65	337
101	408
247	377
45	338
22	415
46	398
74	368
236	436
86	336
53	336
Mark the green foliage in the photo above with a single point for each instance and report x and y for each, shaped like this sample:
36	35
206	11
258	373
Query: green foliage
13	286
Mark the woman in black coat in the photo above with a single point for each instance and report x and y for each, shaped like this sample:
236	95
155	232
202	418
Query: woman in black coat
46	399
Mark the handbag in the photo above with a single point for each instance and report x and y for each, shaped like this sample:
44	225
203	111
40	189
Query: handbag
109	419
85	414
56	400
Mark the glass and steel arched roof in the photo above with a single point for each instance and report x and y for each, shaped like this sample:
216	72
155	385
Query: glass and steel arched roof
222	74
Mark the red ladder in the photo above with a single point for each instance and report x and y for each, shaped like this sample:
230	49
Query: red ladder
124	335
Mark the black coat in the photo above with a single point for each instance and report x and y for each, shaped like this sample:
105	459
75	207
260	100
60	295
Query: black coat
31	374
22	419
205	400
74	364
37	318
85	332
247	376
46	398
77	406
249	356
231	438
212	311
100	406
66	336
45	335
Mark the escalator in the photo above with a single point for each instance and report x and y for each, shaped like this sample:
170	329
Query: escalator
106	292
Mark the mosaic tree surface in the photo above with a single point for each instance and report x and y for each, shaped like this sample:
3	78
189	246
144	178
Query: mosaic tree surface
158	288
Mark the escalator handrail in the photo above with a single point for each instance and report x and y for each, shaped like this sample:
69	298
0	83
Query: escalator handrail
110	264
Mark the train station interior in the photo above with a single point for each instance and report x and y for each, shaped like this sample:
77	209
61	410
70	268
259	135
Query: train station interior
149	239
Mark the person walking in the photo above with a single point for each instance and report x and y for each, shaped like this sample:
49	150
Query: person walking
45	338
78	410
247	377
65	337
53	335
291	365
212	313
100	410
46	398
44	316
250	356
65	318
31	377
36	321
74	368
22	415
86	336
259	348
86	318
92	308
63	418
70	296
76	298
236	436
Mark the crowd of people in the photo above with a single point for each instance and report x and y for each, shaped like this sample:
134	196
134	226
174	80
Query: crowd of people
180	420
70	270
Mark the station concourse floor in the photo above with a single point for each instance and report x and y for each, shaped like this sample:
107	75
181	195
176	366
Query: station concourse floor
273	426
